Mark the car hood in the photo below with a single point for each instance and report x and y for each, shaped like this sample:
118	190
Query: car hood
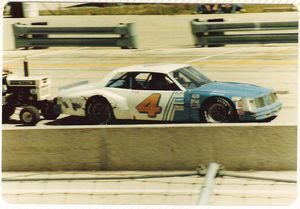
232	89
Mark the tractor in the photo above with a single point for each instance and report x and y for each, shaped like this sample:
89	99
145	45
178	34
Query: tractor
31	94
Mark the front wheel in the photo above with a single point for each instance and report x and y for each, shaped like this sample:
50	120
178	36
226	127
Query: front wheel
99	111
30	116
218	110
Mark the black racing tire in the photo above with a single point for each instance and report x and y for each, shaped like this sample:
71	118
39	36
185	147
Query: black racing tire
98	111
218	110
47	110
30	116
7	111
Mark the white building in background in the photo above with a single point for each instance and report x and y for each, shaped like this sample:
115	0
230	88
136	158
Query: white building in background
31	9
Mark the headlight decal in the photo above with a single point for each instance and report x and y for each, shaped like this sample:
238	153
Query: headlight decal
239	105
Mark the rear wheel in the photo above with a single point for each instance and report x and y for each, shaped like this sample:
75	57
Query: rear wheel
99	111
30	116
218	110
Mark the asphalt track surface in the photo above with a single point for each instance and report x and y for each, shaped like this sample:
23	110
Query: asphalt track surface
269	65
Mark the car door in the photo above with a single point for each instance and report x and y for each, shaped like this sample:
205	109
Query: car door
151	101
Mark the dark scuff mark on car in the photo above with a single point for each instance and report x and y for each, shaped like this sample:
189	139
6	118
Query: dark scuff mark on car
76	106
65	104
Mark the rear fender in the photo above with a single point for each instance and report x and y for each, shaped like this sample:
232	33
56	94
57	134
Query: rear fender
118	103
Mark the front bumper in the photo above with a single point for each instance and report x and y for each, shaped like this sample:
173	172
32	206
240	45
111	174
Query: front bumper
262	113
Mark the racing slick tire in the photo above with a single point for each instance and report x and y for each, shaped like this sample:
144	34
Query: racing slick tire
47	110
218	110
30	116
99	111
7	111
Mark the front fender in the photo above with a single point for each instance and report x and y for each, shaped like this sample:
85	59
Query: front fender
195	102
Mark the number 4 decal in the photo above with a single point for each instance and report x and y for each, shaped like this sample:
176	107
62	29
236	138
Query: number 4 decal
150	105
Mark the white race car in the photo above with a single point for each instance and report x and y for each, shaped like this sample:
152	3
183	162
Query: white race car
167	92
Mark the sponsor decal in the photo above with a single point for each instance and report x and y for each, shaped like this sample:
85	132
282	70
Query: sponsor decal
238	105
179	100
179	103
195	96
195	102
179	107
76	106
65	104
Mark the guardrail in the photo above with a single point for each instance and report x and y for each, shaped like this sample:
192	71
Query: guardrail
222	33
150	147
30	36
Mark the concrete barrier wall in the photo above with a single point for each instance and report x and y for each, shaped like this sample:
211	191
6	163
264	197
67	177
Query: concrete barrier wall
150	147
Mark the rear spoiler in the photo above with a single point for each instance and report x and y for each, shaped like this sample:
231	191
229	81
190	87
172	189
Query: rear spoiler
72	85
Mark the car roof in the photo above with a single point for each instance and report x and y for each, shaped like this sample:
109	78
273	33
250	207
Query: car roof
156	68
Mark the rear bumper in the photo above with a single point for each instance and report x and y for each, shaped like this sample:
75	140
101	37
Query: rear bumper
262	113
71	106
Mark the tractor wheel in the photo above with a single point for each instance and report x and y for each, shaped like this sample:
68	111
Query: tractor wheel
30	116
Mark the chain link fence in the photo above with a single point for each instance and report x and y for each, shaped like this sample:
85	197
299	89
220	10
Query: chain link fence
149	188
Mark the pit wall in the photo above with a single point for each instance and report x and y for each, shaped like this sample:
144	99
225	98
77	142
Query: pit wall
150	147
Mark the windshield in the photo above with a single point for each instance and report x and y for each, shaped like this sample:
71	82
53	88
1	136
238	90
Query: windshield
190	78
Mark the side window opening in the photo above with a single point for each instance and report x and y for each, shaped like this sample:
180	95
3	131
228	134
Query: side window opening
143	81
161	82
140	81
130	80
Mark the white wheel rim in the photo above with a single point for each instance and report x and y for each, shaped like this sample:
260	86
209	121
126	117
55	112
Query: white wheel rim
27	117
